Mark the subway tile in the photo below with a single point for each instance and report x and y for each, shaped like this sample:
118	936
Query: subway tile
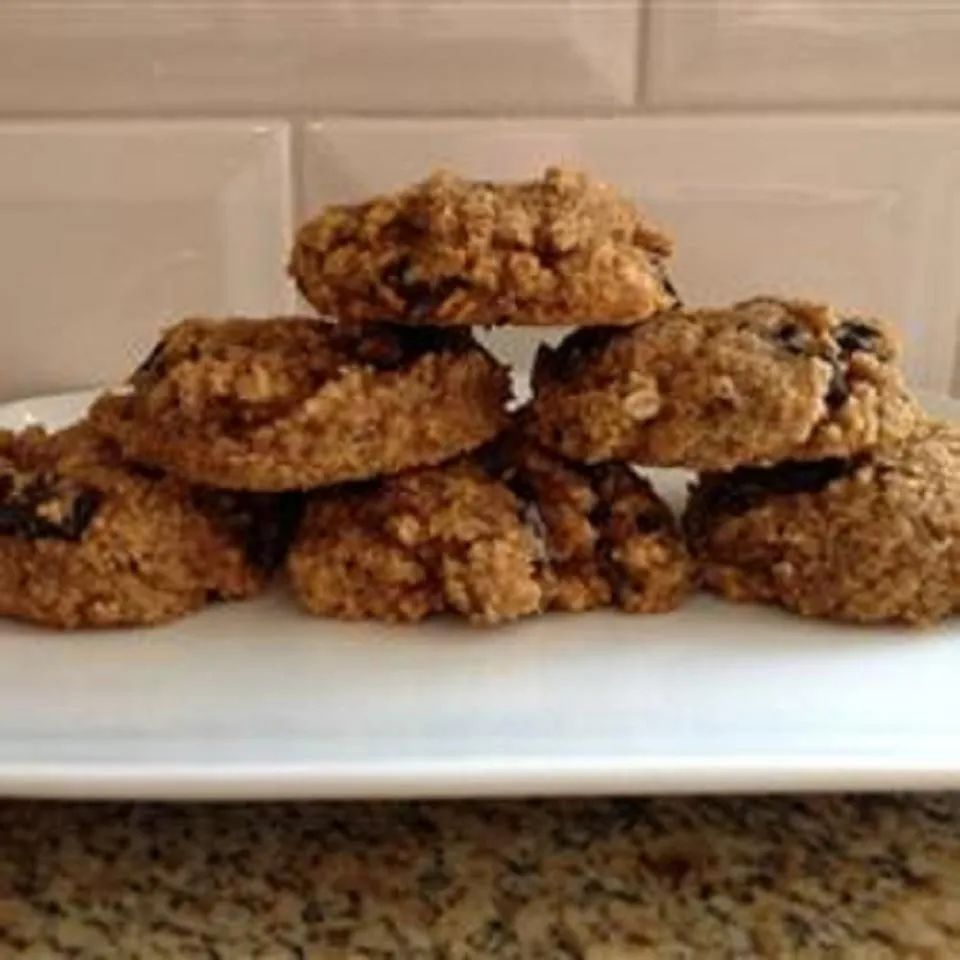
863	211
110	230
143	55
731	52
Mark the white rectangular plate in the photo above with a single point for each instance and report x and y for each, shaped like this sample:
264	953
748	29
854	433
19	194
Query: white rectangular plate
259	700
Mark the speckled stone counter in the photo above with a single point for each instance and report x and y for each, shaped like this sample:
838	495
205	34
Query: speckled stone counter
839	877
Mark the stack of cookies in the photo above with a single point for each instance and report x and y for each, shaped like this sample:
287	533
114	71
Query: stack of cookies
822	484
510	529
373	451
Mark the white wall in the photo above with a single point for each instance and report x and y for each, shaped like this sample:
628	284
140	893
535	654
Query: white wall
155	154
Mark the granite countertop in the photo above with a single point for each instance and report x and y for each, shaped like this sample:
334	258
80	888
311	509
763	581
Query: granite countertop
840	877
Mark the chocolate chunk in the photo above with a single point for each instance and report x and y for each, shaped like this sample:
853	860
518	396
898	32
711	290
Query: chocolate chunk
272	530
854	335
666	282
838	390
398	277
849	337
649	521
599	516
263	523
147	471
159	361
494	459
47	506
422	299
793	338
391	347
421	340
671	289
154	365
740	490
611	569
565	361
549	256
384	351
84	507
613	484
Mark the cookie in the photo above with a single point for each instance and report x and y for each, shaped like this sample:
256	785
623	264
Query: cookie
607	537
874	538
764	381
435	539
294	403
564	249
508	532
86	540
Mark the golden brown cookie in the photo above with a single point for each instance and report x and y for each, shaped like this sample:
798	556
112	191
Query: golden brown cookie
442	538
607	536
875	538
86	540
296	403
564	249
764	381
508	532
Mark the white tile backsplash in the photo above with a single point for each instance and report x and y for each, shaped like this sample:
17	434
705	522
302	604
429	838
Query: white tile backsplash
115	220
864	212
143	55
801	52
109	230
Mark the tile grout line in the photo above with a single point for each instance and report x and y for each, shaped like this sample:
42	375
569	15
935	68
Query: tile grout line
642	80
297	171
638	111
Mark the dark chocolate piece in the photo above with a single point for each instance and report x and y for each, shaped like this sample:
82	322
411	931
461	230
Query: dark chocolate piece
670	288
838	390
793	338
46	506
263	523
854	335
272	530
390	347
745	487
422	299
664	278
649	521
599	516
154	365
564	361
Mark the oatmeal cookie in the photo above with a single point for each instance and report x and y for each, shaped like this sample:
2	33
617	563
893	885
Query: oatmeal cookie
607	537
874	538
86	540
434	539
295	403
507	532
764	381
564	249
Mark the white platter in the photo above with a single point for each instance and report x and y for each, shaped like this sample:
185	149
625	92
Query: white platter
257	700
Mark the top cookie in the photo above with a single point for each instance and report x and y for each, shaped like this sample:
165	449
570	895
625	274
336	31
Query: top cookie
763	381
562	250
